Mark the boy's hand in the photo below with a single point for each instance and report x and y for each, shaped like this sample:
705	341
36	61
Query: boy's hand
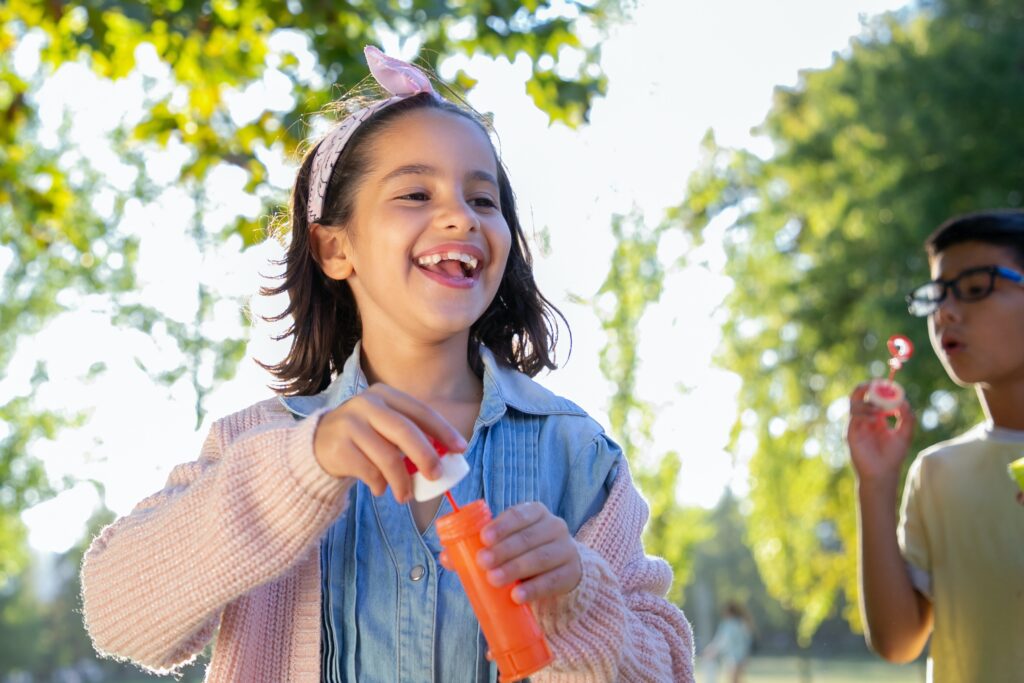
368	436
527	543
876	450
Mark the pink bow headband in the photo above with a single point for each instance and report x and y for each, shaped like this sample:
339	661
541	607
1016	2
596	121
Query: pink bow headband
400	79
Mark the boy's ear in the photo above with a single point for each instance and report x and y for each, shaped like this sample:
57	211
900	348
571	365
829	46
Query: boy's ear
332	250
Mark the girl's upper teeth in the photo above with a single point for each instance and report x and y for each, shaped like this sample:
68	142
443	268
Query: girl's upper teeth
434	259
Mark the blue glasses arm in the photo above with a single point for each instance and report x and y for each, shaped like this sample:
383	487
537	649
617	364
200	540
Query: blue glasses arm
1011	275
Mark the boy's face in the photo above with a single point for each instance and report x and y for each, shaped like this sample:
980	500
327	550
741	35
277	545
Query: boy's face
979	342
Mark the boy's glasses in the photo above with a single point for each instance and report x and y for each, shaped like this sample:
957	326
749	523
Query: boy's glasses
973	284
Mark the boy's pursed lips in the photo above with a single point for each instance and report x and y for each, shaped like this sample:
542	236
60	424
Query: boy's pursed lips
951	343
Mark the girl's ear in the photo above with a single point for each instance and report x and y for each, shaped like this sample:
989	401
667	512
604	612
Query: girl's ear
332	250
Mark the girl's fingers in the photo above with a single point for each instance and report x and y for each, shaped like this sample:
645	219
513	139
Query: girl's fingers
529	544
361	468
512	521
557	582
368	437
407	438
524	541
423	416
386	458
535	562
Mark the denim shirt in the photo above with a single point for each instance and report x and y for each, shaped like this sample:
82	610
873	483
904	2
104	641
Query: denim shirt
390	611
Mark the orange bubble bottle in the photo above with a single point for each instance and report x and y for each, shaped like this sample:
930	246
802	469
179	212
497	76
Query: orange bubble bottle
516	643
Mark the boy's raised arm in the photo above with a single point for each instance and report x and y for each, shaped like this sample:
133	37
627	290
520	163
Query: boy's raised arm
897	618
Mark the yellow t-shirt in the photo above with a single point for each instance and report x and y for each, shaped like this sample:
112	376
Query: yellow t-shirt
962	534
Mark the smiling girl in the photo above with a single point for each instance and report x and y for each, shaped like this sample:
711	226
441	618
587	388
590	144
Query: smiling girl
294	538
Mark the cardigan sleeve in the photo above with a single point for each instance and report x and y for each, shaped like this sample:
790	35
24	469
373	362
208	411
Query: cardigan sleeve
616	625
155	582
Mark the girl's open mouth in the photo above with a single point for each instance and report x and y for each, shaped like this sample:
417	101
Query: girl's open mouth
452	268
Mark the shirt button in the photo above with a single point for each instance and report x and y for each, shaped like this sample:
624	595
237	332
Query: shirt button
417	572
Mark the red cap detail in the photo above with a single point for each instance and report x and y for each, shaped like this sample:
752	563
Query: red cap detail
439	448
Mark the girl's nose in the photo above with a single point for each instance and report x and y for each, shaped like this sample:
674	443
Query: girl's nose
459	215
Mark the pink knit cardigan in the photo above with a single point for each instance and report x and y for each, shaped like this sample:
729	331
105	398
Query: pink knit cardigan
233	539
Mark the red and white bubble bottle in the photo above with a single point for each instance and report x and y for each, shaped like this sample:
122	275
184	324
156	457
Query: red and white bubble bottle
514	638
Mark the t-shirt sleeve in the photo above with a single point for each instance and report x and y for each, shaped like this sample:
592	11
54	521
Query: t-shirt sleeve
912	531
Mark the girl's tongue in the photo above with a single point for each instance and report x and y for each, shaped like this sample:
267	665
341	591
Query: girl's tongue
447	268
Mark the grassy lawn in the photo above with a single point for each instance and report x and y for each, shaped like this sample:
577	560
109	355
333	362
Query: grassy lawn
787	670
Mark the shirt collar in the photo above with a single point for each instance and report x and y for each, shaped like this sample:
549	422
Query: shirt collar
347	384
1001	434
504	387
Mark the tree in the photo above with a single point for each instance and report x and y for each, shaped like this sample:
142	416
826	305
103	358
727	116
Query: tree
634	281
724	569
914	123
62	219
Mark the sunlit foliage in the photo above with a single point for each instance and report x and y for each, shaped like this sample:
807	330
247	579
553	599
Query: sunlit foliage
917	121
63	231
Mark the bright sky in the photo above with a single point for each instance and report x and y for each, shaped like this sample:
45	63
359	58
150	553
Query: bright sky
675	70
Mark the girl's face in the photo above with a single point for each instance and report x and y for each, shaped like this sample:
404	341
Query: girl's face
427	243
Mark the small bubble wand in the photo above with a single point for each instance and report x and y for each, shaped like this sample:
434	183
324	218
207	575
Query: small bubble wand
886	393
901	349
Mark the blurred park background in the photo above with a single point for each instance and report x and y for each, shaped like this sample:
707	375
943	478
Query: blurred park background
726	199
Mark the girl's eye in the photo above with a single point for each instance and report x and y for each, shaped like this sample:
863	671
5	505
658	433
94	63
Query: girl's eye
484	202
416	196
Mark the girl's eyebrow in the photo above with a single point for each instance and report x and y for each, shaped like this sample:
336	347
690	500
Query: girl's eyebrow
424	169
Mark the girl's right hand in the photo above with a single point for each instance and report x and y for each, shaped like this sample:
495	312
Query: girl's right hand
876	449
367	437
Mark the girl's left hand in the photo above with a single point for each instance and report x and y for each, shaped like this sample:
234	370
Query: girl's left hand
527	543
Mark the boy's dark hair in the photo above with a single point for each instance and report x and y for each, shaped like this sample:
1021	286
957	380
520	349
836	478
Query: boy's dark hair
1003	228
519	326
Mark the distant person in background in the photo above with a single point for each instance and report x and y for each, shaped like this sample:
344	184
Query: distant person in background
733	641
953	568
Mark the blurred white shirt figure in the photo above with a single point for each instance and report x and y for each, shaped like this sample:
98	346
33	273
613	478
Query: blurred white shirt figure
731	644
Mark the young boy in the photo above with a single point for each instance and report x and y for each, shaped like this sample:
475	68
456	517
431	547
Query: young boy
954	566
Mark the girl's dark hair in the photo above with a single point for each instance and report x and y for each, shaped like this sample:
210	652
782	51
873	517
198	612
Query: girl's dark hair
1002	228
519	326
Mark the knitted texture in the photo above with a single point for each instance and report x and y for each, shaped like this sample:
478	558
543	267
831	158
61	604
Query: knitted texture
616	625
233	538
